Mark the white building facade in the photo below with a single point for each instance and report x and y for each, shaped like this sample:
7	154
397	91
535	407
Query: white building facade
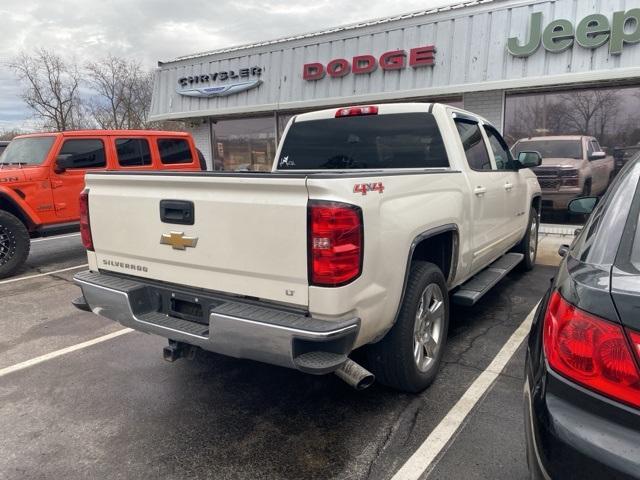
541	67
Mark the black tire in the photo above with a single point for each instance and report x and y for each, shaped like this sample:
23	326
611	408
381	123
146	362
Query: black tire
525	244
586	189
14	244
392	359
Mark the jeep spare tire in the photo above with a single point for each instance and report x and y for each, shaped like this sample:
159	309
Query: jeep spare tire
14	244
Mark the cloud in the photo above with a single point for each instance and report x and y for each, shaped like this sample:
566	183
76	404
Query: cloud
152	30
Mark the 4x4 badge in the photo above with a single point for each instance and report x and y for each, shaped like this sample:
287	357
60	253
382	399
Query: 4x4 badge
178	241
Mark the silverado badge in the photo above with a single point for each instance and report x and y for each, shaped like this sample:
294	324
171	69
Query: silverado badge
178	241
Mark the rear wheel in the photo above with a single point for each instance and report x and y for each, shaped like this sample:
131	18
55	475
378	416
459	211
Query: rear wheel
14	243
409	356
528	246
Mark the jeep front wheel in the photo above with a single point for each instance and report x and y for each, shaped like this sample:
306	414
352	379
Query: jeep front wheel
14	244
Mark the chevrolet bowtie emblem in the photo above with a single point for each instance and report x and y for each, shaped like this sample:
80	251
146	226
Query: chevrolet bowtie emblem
178	241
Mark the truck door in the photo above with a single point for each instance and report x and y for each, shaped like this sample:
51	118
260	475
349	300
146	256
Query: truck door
487	189
79	155
514	188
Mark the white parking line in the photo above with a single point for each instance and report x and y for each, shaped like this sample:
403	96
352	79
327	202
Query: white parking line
63	351
440	438
11	280
55	238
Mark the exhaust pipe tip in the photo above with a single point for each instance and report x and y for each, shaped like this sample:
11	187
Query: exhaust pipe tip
355	375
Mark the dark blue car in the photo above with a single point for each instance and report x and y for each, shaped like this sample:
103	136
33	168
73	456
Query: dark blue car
582	387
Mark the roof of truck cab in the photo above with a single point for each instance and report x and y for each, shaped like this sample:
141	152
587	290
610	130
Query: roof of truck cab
554	137
109	133
388	108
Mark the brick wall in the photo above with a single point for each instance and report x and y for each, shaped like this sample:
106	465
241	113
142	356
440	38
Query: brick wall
486	104
201	135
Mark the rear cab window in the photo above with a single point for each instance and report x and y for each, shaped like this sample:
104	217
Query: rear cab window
387	141
174	151
474	146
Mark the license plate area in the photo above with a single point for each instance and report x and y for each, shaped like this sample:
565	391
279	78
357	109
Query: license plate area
186	306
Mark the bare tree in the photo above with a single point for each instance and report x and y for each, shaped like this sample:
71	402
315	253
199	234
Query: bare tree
123	93
52	88
9	134
591	111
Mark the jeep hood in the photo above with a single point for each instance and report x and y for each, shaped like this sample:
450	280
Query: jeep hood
11	175
561	162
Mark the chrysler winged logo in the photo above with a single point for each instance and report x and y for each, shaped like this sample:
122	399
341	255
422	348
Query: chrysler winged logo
220	90
178	241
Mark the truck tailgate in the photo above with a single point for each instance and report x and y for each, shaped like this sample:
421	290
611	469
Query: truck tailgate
251	232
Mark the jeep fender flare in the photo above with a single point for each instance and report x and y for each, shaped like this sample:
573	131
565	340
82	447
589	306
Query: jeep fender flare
24	212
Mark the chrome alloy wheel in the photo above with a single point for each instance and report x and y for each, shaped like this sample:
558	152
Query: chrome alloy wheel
533	239
7	245
427	330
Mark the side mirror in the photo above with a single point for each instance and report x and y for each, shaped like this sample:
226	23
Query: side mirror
563	250
530	159
583	205
597	156
62	163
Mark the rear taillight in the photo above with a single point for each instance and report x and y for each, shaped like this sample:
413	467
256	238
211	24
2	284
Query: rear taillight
335	243
85	225
591	351
357	111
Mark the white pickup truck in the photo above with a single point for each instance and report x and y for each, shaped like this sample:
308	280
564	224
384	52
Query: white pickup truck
372	219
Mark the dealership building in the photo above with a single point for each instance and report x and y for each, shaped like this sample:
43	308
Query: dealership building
541	67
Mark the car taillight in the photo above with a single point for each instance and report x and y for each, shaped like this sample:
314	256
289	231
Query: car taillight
335	243
357	111
85	225
591	351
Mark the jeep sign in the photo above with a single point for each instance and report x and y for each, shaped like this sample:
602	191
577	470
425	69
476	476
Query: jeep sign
593	31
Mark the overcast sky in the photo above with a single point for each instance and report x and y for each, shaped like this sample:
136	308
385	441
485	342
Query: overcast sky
152	30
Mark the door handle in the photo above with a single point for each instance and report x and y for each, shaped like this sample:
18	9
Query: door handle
480	190
508	186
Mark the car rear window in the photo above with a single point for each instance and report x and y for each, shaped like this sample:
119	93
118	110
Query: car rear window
174	150
133	152
403	140
551	148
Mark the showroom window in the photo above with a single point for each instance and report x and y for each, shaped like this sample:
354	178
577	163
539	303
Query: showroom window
560	125
244	145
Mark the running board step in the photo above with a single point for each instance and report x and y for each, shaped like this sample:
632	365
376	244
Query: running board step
475	288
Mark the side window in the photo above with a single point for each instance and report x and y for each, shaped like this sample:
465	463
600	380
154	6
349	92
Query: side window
590	148
174	150
474	147
133	152
84	153
499	148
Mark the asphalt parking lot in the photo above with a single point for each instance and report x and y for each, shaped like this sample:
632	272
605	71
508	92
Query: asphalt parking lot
115	409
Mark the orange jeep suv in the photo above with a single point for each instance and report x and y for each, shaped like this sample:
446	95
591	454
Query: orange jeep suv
42	175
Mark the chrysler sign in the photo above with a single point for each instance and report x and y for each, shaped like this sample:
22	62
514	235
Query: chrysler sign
361	64
206	85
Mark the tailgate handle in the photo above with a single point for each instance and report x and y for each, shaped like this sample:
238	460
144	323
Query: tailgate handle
180	212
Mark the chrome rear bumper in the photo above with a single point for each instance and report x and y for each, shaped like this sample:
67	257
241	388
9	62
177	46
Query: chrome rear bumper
229	326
